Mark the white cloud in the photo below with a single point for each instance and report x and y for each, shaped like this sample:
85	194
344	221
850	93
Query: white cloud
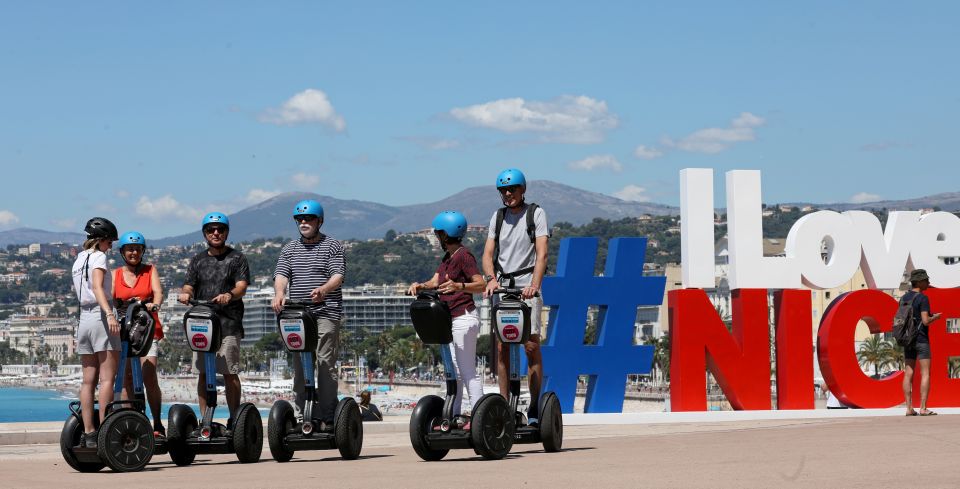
8	218
647	152
305	181
121	194
595	162
310	106
166	207
256	195
632	193
565	119
65	223
716	139
863	198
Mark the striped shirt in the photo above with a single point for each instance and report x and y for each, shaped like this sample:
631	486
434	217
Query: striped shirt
310	265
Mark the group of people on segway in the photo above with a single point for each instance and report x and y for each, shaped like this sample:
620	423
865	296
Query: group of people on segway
514	263
308	280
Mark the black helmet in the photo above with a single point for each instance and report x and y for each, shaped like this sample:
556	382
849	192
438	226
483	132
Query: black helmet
101	227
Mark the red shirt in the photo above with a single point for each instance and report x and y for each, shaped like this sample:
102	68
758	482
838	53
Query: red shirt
141	288
461	266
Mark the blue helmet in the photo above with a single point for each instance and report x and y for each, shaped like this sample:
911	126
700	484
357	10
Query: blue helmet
132	238
308	208
215	218
511	176
451	222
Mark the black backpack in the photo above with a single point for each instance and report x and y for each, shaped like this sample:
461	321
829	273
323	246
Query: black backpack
531	233
905	327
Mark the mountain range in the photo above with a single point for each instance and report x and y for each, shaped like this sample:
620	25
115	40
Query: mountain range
357	219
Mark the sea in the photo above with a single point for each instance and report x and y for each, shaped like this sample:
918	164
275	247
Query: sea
21	404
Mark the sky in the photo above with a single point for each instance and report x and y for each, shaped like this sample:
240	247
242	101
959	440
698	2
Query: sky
152	114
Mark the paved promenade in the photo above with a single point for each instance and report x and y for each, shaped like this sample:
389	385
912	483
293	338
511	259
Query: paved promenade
825	452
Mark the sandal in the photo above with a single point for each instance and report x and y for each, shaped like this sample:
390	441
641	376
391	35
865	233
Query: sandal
914	413
928	413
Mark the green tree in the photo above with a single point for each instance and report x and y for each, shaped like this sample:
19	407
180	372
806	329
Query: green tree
875	351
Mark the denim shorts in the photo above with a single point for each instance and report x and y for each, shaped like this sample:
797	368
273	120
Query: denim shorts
918	351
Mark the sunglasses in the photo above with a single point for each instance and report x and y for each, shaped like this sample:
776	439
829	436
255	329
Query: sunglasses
215	230
305	218
510	188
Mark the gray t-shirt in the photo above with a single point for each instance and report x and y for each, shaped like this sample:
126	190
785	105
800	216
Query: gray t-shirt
516	250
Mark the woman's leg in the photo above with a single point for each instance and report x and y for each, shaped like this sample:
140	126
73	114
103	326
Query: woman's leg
89	365
464	348
107	361
152	386
924	383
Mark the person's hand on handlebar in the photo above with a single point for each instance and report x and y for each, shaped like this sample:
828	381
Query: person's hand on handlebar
183	298
414	288
222	298
317	294
491	286
530	292
277	303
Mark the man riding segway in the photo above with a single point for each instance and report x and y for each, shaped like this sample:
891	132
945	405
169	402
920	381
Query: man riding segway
312	268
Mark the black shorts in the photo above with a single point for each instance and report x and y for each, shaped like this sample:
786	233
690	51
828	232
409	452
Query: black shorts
919	351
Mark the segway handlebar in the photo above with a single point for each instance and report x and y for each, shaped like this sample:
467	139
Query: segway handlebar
512	291
302	303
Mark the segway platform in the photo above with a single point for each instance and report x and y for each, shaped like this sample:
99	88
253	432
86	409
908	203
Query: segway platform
433	429
287	434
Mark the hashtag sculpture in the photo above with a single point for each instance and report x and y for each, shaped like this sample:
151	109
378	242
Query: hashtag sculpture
569	293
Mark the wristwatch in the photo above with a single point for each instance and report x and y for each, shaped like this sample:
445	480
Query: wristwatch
488	277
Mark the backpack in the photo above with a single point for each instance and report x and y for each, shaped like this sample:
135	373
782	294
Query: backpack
905	326
531	233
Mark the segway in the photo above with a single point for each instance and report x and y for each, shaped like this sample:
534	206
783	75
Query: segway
511	319
186	438
125	440
287	434
433	429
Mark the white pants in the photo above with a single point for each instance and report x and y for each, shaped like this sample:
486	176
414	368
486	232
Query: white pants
464	348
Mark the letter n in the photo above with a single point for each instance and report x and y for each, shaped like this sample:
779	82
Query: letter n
739	359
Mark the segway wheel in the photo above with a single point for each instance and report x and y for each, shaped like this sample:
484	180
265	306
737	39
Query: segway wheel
551	423
181	422
428	409
248	434
282	419
348	428
70	439
492	427
125	441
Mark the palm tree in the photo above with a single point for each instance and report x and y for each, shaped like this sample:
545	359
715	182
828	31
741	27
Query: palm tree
877	351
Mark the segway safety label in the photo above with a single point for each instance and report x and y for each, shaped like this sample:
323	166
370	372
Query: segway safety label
293	332
508	324
201	334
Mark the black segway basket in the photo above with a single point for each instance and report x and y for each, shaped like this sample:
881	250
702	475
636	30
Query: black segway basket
137	329
298	327
511	319
431	318
201	327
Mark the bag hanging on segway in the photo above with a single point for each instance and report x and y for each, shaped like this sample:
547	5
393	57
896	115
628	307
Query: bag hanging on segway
298	328
511	320
431	318
137	329
201	326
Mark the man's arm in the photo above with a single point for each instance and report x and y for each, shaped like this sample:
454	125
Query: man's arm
488	269
539	268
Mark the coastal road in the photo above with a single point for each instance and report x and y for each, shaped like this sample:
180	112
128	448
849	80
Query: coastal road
838	452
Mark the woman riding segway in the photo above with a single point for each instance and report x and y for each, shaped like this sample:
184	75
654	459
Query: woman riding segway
457	278
138	281
98	334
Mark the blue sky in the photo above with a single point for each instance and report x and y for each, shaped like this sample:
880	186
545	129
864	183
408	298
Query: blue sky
153	113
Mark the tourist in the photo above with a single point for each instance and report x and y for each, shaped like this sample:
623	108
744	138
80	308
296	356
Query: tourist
98	332
312	267
515	255
220	274
919	352
134	281
457	279
369	411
